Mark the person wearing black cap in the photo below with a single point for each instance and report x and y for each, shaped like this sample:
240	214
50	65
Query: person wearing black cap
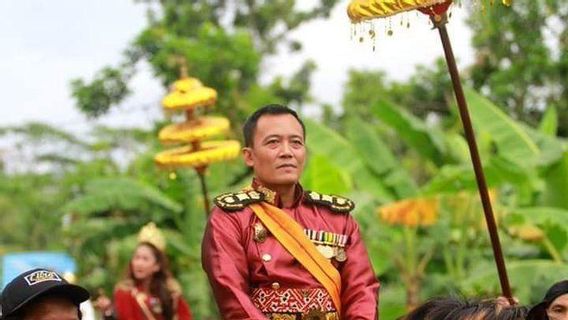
554	306
41	294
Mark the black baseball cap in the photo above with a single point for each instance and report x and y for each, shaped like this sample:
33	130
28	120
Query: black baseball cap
538	312
35	283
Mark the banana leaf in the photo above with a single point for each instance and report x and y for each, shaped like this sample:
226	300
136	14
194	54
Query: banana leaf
429	142
549	123
529	279
511	140
379	159
498	172
322	175
556	184
107	194
323	141
552	148
540	216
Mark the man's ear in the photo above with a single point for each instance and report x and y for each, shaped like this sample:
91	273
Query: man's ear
247	156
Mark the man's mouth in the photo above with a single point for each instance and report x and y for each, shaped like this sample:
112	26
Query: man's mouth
287	165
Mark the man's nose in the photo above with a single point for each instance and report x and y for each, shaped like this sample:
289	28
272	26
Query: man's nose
285	150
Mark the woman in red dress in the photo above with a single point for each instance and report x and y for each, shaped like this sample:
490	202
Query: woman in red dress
149	291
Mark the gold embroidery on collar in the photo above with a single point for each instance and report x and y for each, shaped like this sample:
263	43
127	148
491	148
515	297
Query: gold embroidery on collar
269	195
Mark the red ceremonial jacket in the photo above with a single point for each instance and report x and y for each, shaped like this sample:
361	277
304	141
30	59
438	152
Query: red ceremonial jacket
236	263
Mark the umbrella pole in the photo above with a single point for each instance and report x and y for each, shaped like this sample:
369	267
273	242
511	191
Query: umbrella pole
201	173
440	23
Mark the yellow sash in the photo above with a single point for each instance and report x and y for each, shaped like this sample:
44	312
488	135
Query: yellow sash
140	299
291	235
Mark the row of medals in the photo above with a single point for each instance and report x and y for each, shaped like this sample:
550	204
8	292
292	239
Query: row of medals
329	251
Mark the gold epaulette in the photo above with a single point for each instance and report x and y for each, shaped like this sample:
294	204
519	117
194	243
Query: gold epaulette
235	201
334	203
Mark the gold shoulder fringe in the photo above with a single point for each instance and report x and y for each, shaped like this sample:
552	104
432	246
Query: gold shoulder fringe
332	202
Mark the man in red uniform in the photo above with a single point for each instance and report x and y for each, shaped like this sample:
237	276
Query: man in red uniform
276	251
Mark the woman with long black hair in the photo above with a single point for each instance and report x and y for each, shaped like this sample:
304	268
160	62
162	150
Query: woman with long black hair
149	291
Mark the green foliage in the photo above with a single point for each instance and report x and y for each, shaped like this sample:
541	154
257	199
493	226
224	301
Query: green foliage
428	141
529	279
523	72
379	159
106	199
223	45
296	92
94	99
393	141
362	90
105	194
322	175
427	92
517	160
29	209
323	141
510	140
549	123
556	182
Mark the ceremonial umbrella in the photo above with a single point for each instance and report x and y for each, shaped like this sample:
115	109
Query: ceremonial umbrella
196	151
366	10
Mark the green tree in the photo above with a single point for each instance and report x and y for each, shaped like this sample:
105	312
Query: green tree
521	58
427	93
223	44
47	167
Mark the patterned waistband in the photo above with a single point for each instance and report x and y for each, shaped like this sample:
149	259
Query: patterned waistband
319	315
293	301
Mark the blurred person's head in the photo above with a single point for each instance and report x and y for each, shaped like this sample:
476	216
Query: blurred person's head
148	263
554	305
41	294
456	308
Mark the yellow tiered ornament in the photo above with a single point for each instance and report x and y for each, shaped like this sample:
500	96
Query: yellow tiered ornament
189	94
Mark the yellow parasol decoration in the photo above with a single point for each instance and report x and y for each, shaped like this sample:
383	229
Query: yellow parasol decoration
365	10
187	95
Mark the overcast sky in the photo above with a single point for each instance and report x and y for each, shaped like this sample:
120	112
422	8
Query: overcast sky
46	43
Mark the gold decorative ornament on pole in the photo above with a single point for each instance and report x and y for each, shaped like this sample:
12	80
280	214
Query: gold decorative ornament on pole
194	150
360	11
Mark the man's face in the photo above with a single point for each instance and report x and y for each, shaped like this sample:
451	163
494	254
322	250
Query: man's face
558	309
278	152
52	309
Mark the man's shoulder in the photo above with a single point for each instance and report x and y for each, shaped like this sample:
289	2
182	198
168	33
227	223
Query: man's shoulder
237	201
334	203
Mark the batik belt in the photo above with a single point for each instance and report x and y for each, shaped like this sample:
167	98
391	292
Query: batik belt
292	303
313	315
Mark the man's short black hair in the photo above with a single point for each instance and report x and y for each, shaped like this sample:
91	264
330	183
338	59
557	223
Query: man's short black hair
272	109
465	308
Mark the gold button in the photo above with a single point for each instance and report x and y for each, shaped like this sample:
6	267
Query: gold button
275	285
266	257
